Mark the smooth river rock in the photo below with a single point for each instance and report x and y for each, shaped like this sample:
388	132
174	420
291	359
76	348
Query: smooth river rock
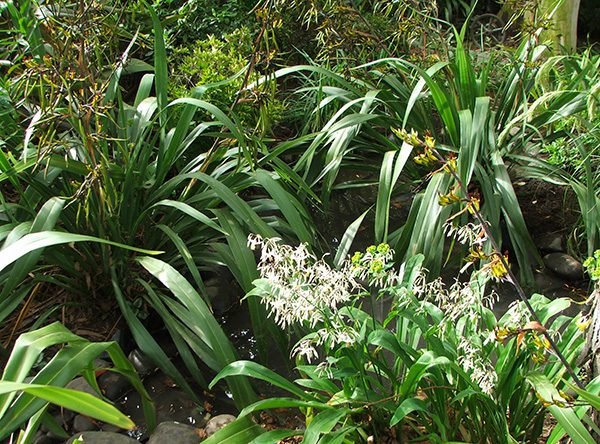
175	432
564	265
83	424
552	243
102	438
217	423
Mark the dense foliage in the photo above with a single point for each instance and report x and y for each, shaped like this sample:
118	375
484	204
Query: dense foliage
141	144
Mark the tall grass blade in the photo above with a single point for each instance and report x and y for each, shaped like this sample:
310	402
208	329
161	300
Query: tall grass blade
288	204
347	239
204	321
390	171
160	65
146	342
36	241
517	230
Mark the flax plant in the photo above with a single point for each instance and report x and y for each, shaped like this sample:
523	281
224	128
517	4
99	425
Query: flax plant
94	179
527	315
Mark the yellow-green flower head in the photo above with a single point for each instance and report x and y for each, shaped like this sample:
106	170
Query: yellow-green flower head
592	265
429	142
376	266
383	248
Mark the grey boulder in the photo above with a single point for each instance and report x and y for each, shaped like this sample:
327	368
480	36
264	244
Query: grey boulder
174	432
564	265
101	438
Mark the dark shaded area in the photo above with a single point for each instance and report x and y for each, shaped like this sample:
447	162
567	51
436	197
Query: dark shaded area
589	19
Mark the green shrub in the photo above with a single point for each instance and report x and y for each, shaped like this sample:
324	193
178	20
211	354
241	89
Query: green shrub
105	176
210	61
220	65
188	21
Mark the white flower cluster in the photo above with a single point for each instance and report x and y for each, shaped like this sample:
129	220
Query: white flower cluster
518	315
463	300
332	335
480	369
302	289
469	234
457	302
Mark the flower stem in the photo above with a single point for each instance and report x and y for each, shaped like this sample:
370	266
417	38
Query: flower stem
509	274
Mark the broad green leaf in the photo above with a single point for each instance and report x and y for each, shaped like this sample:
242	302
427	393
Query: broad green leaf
591	398
388	341
282	402
25	352
324	422
77	401
408	406
324	384
255	370
43	239
62	368
418	369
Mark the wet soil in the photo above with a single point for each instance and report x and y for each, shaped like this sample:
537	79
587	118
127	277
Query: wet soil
547	208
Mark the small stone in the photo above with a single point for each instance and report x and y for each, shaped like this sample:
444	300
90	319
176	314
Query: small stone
175	432
101	438
217	423
552	243
113	384
111	428
142	363
101	363
564	265
42	438
83	424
